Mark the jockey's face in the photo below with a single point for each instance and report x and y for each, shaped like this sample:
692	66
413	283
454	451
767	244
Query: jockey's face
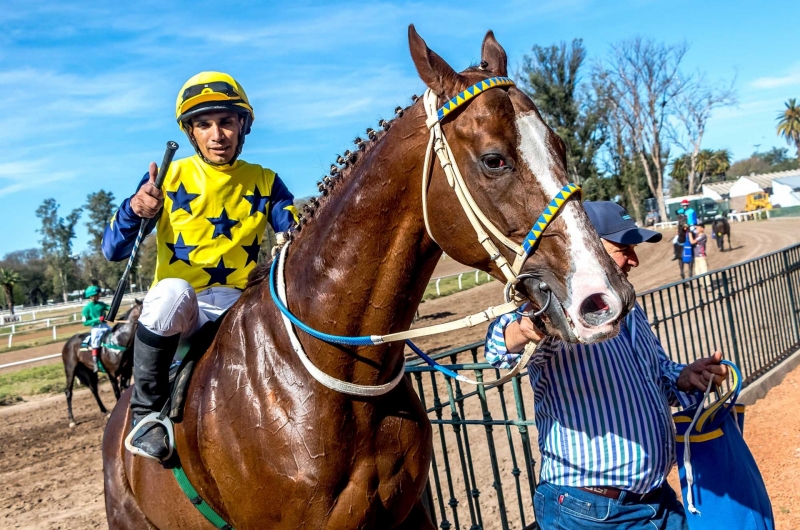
95	298
217	135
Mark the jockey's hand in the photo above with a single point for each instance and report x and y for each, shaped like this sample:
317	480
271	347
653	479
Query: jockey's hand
102	318
696	376
148	200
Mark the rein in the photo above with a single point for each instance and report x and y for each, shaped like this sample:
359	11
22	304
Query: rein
478	220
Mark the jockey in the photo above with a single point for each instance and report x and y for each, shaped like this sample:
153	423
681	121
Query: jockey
210	222
94	314
688	211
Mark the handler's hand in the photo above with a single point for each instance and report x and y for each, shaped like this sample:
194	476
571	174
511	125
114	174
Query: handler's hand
149	199
520	332
699	373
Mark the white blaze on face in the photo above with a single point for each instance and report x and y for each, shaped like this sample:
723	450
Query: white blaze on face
586	276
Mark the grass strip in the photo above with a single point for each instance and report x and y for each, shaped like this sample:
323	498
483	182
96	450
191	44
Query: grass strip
30	382
450	285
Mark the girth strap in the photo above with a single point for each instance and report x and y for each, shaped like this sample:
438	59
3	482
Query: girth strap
201	505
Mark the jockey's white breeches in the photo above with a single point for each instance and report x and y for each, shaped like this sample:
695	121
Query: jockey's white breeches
172	306
97	334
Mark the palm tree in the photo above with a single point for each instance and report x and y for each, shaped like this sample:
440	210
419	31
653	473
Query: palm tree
789	124
8	279
722	161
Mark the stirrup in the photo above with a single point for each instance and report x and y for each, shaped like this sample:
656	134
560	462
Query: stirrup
153	417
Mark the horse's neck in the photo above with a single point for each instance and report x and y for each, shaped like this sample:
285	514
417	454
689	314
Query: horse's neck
360	267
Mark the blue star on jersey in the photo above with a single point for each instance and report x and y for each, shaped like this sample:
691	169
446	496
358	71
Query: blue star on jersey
258	202
218	274
180	251
252	251
181	199
222	225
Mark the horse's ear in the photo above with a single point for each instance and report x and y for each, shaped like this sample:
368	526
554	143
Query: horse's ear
137	301
432	69
494	55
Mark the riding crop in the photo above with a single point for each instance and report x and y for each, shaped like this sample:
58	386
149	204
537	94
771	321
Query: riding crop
162	173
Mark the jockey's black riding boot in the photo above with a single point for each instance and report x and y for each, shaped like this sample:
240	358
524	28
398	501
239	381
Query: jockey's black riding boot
152	356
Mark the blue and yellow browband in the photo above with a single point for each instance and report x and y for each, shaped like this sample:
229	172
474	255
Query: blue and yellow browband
470	93
547	215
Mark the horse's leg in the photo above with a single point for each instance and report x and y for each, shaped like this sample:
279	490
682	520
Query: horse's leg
93	386
69	369
418	519
122	509
114	385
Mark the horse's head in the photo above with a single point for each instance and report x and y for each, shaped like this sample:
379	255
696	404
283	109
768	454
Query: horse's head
513	165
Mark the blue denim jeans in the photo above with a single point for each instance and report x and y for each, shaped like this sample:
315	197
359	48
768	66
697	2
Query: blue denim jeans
567	508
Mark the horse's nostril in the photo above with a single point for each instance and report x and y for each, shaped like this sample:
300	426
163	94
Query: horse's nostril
595	310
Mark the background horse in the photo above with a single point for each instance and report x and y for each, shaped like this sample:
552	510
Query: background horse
720	229
118	361
265	444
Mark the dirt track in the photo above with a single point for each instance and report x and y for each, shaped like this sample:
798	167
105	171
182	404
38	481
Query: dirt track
52	475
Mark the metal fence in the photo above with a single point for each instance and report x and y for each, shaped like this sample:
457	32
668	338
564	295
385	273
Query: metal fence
483	474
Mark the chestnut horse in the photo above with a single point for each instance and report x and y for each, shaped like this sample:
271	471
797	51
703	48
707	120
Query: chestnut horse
266	445
118	361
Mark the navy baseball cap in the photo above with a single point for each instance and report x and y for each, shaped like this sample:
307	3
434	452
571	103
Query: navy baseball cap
613	223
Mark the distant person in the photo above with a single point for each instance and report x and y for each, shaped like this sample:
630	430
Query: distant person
699	240
603	410
94	314
688	211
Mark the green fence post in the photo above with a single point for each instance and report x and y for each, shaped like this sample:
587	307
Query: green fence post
788	275
731	317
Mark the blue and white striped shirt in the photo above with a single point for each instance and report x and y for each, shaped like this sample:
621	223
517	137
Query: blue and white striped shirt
602	410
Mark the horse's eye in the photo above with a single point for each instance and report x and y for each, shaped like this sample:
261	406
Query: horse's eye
494	162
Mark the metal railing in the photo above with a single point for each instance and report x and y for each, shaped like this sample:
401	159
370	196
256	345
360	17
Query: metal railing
483	473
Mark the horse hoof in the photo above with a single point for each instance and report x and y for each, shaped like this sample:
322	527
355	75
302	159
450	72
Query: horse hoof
72	425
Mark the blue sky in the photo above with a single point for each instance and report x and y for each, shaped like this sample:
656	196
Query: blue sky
89	87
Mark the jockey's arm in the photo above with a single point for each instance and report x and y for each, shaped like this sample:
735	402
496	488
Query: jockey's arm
120	233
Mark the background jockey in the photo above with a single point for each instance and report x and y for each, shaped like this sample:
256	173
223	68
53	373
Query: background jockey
688	211
94	314
210	222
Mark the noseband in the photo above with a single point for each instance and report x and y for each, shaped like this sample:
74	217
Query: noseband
478	220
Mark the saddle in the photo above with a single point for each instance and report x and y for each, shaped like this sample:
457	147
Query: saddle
86	342
180	373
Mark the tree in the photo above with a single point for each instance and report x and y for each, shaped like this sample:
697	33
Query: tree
679	175
789	124
100	207
33	287
8	279
57	235
694	105
776	159
551	77
643	83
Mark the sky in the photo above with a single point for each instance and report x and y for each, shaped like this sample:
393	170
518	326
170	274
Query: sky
88	88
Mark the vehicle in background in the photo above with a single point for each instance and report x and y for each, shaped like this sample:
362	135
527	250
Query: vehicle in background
652	217
707	209
757	201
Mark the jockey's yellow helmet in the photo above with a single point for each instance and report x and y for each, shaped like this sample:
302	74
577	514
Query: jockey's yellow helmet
212	91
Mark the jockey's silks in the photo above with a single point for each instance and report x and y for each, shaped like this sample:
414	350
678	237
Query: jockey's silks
92	312
212	223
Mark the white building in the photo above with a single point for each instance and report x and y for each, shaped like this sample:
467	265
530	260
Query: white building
719	191
786	191
753	184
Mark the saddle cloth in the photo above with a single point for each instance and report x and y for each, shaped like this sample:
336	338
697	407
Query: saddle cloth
85	342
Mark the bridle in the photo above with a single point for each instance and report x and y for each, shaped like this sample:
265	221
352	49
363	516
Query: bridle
438	144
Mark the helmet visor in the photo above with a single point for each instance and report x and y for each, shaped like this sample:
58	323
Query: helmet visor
217	87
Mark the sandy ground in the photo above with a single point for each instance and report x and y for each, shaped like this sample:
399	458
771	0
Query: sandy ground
52	475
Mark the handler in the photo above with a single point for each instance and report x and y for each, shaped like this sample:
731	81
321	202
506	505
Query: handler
603	410
209	228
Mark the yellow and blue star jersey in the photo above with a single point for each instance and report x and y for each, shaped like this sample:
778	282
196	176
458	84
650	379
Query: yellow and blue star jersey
212	223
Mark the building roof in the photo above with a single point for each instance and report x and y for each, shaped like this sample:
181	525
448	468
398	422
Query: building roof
720	187
792	181
765	179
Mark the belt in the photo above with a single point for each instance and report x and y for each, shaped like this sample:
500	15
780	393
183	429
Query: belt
614	493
